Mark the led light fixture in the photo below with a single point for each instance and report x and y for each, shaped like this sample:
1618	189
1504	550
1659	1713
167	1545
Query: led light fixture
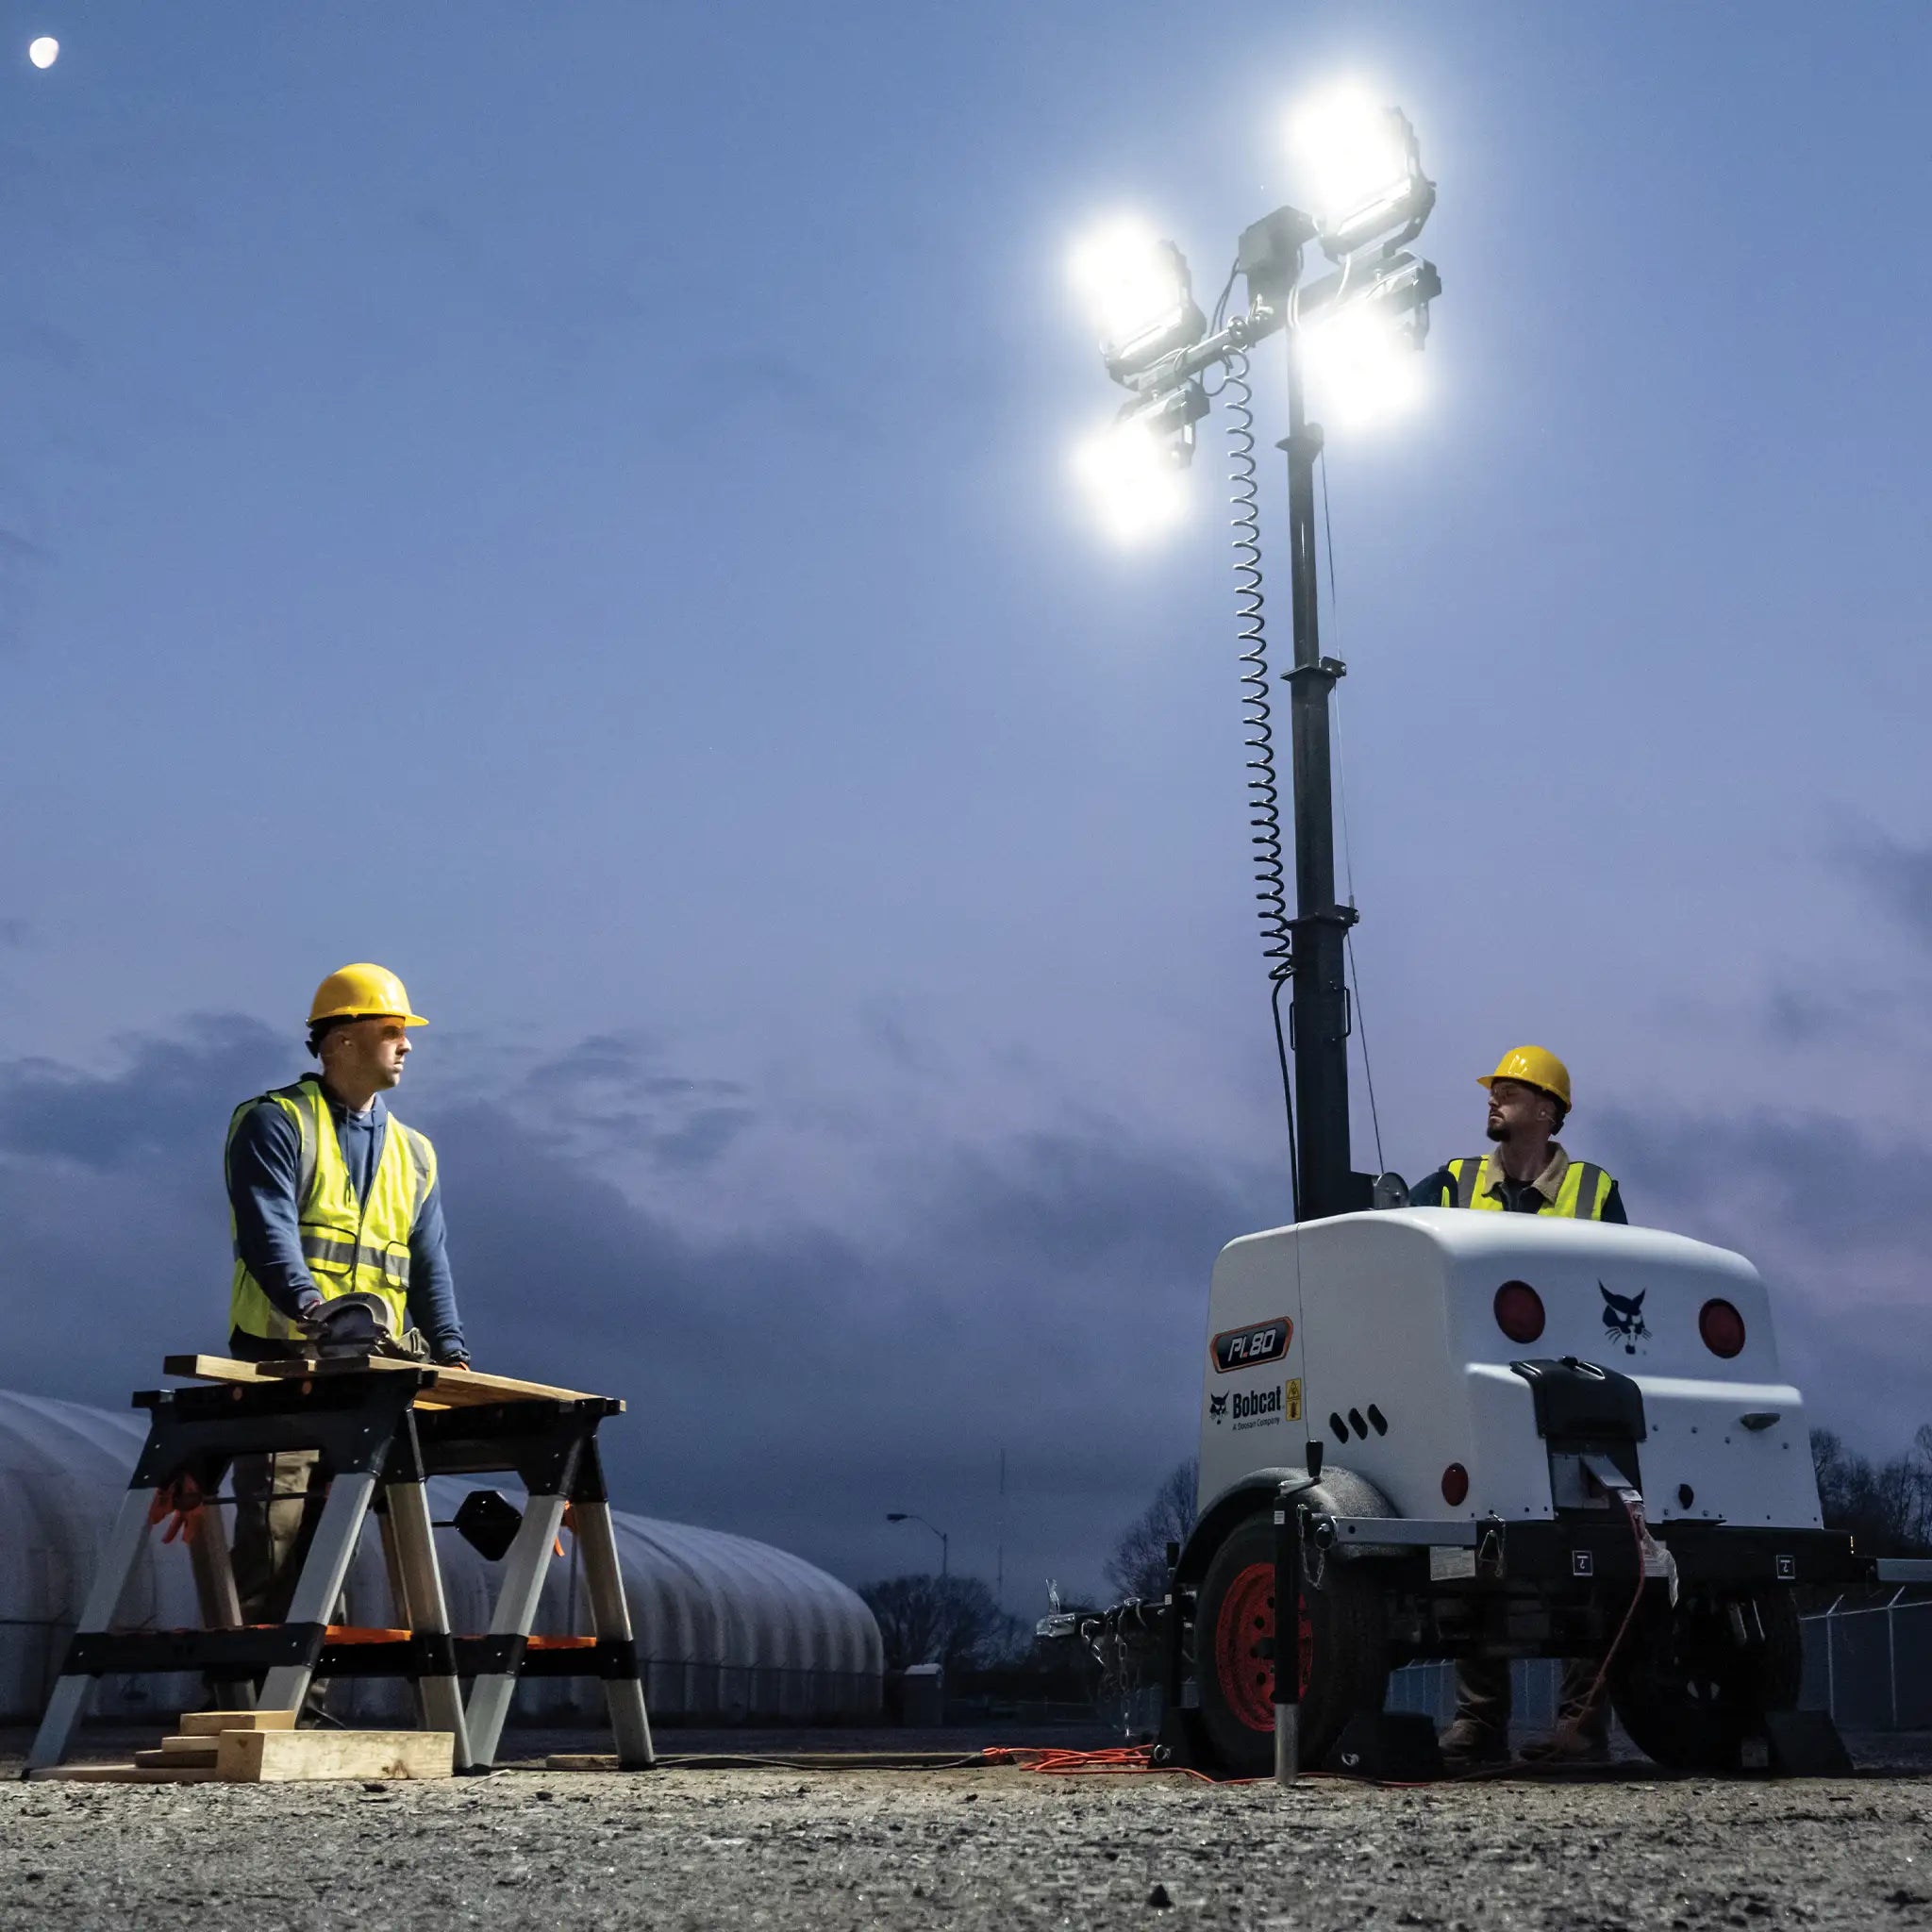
1366	168
1141	295
1362	363
1132	471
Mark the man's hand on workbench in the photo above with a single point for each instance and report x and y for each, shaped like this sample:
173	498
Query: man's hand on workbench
452	1362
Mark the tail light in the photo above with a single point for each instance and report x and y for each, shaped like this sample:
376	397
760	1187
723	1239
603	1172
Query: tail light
1721	1328
1455	1486
1518	1312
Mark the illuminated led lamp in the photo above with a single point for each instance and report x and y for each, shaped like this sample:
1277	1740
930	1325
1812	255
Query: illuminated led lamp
1132	470
1141	295
1179	328
1520	1311
1365	164
1399	214
1721	1328
1361	348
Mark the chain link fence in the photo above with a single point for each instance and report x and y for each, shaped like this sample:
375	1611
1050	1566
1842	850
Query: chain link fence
1870	1665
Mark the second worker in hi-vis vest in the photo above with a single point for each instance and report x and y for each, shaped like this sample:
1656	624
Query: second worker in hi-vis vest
328	1195
1526	1172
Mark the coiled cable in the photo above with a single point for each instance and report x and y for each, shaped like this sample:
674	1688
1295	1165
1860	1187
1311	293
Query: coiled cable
1264	797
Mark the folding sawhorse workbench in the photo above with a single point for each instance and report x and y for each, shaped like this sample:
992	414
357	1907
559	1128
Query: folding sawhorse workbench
382	1427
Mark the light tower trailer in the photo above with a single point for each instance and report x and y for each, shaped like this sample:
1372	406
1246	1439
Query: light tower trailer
1483	1434
1531	1437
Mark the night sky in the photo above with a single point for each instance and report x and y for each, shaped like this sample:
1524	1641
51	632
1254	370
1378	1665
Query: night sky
573	503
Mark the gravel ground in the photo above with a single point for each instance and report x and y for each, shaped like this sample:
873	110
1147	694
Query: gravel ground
993	1848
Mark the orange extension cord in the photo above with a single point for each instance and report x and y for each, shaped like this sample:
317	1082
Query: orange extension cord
1055	1762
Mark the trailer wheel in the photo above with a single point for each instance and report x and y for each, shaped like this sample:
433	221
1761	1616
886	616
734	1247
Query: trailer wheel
1344	1652
1689	1693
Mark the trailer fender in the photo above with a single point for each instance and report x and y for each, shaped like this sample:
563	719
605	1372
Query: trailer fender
1340	1492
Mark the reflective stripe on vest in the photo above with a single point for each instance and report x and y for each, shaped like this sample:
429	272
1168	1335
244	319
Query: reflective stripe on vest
351	1245
1580	1194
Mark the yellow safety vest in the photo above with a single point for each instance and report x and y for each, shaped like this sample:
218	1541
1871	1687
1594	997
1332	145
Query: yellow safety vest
351	1246
1580	1194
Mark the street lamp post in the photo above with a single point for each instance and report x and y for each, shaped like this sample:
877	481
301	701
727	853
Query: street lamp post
945	1542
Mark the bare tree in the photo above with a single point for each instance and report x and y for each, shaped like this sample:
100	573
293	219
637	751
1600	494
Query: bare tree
939	1620
1888	1506
1139	1564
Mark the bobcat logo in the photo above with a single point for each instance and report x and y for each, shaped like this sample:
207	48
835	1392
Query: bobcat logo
1217	1407
1623	1318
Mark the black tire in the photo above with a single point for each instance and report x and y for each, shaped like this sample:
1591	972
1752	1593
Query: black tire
1345	1662
1690	1695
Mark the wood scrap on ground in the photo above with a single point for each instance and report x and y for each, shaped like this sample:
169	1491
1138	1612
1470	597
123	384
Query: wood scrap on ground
264	1747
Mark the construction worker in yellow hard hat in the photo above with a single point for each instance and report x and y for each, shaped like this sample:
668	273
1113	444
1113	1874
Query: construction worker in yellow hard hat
329	1196
1526	1172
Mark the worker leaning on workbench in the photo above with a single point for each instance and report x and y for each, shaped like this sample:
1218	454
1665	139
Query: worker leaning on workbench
1526	1172
328	1195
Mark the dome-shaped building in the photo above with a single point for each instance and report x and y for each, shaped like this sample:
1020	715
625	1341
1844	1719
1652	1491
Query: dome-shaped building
732	1631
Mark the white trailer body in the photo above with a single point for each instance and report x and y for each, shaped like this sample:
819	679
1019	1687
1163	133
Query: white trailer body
1379	1335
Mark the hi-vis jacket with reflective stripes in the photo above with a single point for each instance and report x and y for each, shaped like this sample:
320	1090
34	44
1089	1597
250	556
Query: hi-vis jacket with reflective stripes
1580	1194
350	1245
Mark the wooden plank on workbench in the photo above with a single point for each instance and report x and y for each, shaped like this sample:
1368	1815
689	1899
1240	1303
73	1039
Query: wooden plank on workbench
211	1368
459	1388
284	1756
451	1387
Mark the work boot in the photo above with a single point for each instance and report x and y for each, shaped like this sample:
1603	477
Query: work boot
1582	1732
1570	1742
1468	1746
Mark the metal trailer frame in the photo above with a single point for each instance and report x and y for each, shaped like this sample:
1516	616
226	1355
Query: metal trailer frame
1572	1565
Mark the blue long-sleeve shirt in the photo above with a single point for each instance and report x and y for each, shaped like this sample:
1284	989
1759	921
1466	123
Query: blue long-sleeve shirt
264	1171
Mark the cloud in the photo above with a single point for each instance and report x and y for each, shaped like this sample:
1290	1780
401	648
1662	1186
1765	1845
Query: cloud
613	1093
171	1093
793	1373
1798	1016
1835	1218
1813	1181
1899	878
879	1311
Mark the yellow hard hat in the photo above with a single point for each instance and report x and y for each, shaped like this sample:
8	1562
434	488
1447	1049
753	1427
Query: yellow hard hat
1535	1066
350	991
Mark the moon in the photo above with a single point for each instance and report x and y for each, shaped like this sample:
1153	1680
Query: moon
44	51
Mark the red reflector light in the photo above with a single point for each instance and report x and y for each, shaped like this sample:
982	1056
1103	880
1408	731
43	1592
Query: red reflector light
1721	1328
1518	1312
1455	1485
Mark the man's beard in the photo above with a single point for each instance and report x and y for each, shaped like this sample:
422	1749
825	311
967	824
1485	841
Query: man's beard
1499	1131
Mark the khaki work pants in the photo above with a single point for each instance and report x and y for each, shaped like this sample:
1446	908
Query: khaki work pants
275	1514
1482	1697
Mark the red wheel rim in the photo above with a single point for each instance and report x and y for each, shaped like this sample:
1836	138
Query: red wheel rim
1243	1643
